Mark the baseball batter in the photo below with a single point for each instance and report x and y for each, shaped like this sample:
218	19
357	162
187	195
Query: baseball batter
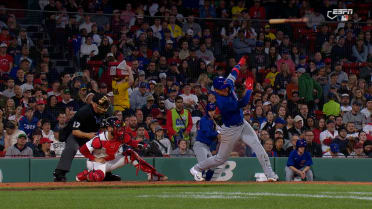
234	126
105	153
206	135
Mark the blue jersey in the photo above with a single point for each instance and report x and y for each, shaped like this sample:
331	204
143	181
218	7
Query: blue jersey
230	106
299	161
206	131
28	126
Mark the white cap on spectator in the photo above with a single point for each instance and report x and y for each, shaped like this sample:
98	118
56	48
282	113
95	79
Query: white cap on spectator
301	70
267	103
110	94
152	82
110	54
3	45
298	118
344	95
279	130
162	76
169	42
190	32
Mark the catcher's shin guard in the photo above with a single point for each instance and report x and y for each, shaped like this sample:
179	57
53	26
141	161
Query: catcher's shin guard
95	175
141	164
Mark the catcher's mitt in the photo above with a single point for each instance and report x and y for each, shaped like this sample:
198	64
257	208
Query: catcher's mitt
151	150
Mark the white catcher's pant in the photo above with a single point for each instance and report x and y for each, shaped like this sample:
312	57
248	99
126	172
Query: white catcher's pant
111	165
229	136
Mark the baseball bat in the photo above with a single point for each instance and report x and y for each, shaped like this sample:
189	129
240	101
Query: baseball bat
281	21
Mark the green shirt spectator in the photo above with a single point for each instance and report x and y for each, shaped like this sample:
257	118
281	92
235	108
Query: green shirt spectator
331	108
306	86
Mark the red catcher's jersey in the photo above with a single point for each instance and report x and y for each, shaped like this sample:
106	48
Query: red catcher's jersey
100	147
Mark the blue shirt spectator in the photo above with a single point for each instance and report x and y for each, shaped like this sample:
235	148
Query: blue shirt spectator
28	123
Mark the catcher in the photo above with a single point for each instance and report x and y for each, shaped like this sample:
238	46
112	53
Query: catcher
112	149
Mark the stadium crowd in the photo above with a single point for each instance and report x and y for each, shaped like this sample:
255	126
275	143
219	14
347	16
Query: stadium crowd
312	81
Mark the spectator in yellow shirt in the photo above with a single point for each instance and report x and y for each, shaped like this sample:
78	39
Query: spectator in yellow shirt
268	33
120	84
272	74
176	31
238	8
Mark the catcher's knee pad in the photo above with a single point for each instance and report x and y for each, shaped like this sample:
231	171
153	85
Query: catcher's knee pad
95	175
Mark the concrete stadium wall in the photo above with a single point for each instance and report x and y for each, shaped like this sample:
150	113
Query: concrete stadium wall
236	169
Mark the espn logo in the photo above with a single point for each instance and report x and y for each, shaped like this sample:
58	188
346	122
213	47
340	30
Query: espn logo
343	14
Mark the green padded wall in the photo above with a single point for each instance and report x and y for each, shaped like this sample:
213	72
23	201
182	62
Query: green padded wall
241	169
342	169
15	169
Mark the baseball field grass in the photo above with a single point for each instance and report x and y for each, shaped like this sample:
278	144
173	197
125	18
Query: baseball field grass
189	195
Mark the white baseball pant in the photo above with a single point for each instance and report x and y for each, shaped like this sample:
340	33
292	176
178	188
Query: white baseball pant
111	165
229	136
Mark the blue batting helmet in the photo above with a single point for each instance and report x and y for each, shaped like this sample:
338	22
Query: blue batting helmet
301	143
210	107
219	83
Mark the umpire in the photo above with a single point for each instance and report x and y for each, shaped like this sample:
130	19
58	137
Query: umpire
83	127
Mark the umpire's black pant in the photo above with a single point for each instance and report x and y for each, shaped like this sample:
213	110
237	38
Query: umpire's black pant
68	154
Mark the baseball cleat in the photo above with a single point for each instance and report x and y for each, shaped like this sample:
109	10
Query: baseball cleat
275	178
82	176
111	177
59	177
198	176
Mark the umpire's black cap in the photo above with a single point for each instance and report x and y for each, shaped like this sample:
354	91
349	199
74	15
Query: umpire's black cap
102	102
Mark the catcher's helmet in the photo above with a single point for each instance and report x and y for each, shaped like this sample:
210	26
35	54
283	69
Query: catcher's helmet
210	107
219	83
111	122
301	143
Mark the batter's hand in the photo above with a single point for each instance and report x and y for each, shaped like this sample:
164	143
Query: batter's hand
242	61
100	160
219	137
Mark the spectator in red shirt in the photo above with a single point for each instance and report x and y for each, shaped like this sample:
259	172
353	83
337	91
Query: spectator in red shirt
6	61
4	35
257	11
132	128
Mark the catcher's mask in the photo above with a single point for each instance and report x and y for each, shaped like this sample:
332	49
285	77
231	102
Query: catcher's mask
117	125
102	102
